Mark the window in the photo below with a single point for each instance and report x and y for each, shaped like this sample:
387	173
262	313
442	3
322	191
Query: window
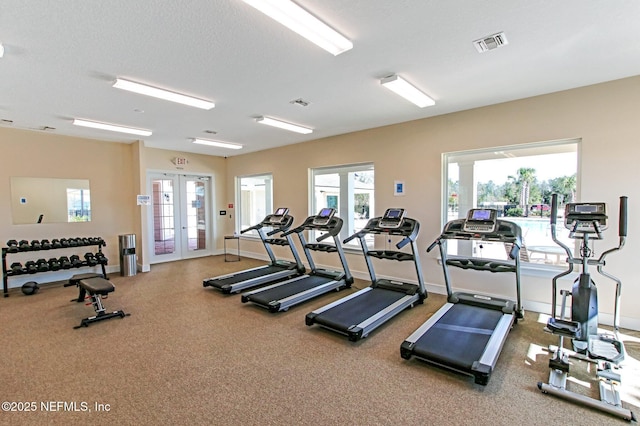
517	181
348	189
254	200
78	205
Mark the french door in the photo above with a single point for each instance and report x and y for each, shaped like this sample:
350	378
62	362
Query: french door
180	216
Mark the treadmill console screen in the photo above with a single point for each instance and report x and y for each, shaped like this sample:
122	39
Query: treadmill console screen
392	218
324	216
279	215
584	217
480	220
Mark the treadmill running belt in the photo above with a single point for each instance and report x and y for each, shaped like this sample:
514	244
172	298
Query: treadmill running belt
358	309
459	337
286	290
247	275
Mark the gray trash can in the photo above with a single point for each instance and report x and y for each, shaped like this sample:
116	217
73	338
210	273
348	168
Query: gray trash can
128	258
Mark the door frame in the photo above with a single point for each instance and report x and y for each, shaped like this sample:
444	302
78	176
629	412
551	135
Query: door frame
180	252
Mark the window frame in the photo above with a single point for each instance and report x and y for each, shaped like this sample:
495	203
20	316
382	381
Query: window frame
523	150
268	207
344	200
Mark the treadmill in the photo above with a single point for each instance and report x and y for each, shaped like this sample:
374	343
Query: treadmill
276	270
468	332
358	314
281	296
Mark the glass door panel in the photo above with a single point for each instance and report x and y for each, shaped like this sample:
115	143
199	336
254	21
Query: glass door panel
195	208
179	216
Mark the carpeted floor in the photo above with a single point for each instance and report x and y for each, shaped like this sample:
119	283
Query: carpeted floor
190	355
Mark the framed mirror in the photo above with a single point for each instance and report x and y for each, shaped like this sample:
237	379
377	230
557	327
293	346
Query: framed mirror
50	200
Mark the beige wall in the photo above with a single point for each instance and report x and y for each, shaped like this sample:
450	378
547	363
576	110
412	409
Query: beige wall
160	160
107	166
116	173
604	117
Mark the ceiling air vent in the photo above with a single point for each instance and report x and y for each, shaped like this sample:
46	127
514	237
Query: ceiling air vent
491	42
300	102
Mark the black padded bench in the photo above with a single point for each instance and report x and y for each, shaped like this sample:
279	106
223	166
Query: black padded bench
97	287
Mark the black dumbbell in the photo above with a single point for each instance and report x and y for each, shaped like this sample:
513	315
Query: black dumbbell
64	242
73	242
35	245
17	269
54	264
12	246
45	244
101	258
24	245
42	265
31	267
65	262
91	259
55	243
75	261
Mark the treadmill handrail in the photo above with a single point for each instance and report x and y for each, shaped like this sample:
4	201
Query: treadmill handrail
358	234
434	244
274	231
283	226
403	242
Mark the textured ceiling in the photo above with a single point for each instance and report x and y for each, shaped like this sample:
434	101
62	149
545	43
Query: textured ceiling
62	56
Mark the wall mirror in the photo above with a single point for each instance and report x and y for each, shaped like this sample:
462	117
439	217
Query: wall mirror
50	200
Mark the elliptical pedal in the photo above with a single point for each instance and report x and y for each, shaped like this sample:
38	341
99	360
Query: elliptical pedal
605	347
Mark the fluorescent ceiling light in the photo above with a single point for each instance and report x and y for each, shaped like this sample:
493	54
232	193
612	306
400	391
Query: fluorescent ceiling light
143	89
1	50
111	127
283	125
400	86
302	22
217	143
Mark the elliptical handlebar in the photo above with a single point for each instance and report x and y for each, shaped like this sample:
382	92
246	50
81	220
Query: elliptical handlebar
622	226
554	217
554	208
622	229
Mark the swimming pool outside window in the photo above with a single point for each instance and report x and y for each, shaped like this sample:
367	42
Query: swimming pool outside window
518	182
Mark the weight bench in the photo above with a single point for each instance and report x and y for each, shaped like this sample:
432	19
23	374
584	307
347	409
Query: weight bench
97	287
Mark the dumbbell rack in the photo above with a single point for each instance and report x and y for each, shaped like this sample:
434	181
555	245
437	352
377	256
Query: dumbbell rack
8	273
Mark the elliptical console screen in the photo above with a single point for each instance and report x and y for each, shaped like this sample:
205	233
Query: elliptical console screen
324	216
392	218
279	215
480	220
584	217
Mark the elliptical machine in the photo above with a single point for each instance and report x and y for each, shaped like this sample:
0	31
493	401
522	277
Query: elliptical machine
586	221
